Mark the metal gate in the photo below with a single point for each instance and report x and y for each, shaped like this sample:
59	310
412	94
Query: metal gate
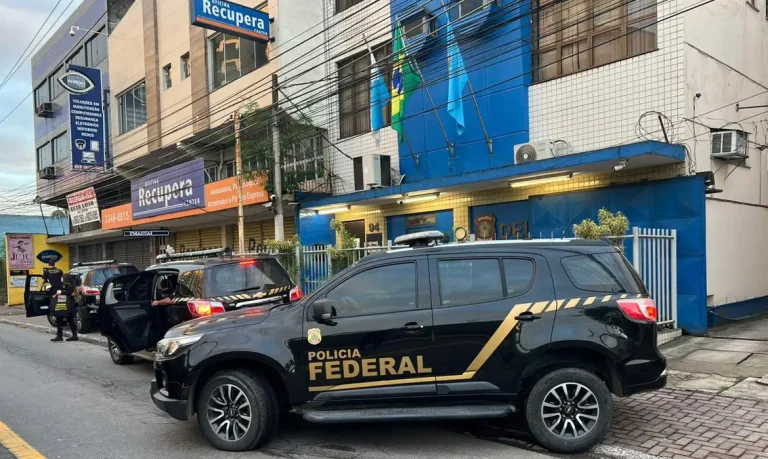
654	256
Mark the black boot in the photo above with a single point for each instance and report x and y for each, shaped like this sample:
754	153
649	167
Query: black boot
58	338
72	326
73	338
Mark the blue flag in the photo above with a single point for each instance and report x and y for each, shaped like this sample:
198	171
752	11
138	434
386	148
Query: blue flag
458	78
379	98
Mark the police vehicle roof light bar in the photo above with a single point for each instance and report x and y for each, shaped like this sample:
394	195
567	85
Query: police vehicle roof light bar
94	263
194	254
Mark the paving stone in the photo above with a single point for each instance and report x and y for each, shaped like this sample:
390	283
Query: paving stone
756	360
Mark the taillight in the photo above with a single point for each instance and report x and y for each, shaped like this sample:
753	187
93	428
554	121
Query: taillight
640	309
90	291
200	308
296	293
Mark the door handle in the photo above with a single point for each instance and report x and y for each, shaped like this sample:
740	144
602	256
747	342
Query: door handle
527	316
413	327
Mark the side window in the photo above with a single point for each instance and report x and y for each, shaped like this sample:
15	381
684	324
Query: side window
190	284
140	289
469	281
601	272
385	289
116	291
518	274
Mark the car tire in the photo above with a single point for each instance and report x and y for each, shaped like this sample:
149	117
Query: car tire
52	320
569	410
83	320
249	408
117	355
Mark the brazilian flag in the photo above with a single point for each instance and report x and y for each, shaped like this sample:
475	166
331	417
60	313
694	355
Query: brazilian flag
404	81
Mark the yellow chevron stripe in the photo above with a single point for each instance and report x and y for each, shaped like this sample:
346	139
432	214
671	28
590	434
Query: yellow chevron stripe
553	306
572	303
538	307
606	298
623	296
498	337
589	300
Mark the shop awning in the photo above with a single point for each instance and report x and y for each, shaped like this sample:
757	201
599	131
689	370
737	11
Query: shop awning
637	155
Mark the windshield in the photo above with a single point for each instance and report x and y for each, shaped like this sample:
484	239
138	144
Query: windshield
245	276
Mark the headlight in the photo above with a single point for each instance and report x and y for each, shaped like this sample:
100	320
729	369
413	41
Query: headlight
168	348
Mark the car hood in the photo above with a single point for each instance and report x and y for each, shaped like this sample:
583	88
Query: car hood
248	316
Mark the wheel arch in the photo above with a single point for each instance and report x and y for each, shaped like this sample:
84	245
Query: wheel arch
587	358
251	362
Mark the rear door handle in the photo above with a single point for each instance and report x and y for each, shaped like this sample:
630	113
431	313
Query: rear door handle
527	317
412	327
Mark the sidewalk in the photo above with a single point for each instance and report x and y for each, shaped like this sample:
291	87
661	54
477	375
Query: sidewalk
15	315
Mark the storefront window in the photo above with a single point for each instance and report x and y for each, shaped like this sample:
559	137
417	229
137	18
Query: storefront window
232	57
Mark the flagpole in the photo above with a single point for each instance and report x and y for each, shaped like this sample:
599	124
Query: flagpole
407	141
488	140
429	95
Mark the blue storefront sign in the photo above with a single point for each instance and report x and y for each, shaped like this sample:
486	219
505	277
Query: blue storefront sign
171	190
86	117
230	18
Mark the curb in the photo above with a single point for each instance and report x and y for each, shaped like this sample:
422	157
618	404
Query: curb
98	340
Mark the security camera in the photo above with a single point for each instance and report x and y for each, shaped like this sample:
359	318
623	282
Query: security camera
698	95
622	164
273	197
72	30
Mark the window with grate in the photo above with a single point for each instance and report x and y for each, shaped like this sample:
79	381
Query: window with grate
576	35
355	90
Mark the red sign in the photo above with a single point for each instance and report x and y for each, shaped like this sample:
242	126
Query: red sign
83	207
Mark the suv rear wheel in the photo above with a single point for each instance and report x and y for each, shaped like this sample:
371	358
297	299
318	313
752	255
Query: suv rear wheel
52	320
237	411
569	410
83	320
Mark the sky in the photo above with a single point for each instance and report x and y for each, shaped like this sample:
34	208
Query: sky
19	21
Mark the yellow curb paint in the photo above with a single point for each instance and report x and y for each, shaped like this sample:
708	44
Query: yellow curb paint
16	445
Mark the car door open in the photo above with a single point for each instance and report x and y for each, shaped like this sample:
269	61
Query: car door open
127	303
36	302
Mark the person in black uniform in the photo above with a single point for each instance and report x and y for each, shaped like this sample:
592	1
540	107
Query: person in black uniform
63	308
53	276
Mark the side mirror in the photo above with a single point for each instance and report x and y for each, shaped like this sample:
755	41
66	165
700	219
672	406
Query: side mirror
323	310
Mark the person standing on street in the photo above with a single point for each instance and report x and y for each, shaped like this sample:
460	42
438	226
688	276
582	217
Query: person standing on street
63	308
53	276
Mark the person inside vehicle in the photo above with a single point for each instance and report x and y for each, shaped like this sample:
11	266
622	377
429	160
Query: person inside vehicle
165	288
64	311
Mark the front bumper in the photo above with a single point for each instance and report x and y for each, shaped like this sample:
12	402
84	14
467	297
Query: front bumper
178	409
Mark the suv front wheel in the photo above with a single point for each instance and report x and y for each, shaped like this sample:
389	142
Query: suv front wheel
569	410
237	410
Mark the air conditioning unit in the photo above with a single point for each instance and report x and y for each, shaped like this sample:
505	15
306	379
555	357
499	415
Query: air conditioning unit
533	151
44	110
371	171
728	145
48	173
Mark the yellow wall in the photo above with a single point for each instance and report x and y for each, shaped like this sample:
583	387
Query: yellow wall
39	243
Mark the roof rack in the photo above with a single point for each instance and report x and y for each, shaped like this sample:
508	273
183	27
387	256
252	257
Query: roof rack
208	253
420	239
94	263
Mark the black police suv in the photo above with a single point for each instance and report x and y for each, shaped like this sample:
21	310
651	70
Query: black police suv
90	277
476	330
137	309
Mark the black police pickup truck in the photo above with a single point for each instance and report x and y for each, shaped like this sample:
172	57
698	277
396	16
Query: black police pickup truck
137	309
477	330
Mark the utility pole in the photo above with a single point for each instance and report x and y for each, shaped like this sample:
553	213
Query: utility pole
239	173
278	203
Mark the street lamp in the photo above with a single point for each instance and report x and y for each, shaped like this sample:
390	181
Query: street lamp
74	29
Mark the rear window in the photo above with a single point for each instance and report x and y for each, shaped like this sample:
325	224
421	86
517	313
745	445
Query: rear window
101	275
246	276
601	272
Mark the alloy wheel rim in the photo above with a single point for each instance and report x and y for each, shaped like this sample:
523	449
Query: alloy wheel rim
570	410
114	350
229	412
78	320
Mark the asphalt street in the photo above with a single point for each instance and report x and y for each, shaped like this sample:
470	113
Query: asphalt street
68	400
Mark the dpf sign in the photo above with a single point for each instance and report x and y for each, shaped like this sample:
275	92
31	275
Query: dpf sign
230	18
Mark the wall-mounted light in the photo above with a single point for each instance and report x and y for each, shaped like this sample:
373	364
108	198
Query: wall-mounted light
333	210
541	180
418	198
